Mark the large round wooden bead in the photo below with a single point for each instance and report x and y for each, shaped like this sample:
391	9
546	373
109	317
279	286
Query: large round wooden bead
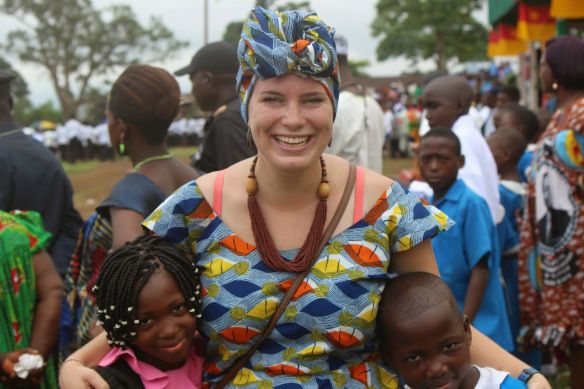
251	186
324	190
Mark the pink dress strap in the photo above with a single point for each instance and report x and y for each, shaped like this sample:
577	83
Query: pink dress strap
218	192
359	193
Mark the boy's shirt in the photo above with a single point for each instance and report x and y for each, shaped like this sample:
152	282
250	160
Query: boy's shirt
512	195
458	251
492	378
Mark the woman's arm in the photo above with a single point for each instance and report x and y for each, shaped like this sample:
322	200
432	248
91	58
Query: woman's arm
75	372
484	352
126	226
49	291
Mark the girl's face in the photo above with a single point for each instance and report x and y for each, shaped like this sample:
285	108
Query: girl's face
166	329
291	120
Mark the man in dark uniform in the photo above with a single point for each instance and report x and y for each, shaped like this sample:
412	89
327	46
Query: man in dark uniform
31	178
212	72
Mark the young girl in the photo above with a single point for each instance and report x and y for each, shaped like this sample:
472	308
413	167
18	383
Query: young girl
148	299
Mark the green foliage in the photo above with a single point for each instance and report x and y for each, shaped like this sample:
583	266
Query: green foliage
357	67
26	114
74	42
441	30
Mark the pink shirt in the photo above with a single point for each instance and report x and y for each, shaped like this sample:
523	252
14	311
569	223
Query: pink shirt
189	376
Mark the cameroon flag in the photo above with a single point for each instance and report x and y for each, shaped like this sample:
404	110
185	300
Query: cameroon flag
535	23
503	40
567	9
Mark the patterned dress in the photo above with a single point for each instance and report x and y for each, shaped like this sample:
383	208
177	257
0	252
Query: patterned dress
21	236
326	337
551	259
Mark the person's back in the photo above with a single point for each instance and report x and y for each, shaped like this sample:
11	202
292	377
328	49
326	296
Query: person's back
467	255
141	106
426	340
31	178
212	72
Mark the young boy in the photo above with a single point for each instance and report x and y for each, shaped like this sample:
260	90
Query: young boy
508	146
447	100
467	254
426	340
527	123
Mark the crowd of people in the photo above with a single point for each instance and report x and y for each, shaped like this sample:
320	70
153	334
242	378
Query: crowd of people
283	257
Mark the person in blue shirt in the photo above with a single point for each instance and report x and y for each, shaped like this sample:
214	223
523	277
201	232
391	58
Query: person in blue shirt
468	254
508	147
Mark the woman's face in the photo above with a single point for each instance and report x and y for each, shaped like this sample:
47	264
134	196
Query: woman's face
291	120
545	75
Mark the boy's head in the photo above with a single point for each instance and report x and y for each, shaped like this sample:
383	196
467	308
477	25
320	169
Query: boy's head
447	98
424	337
508	94
440	158
507	146
515	116
148	296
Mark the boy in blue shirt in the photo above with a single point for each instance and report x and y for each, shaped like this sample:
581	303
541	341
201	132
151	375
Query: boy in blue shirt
467	254
508	146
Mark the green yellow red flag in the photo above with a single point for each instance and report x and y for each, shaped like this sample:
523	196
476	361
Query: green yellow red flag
567	9
503	41
534	23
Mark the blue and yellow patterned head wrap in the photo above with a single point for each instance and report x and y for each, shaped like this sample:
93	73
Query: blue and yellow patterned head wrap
274	44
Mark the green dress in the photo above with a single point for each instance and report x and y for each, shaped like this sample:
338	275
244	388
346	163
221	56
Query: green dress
21	236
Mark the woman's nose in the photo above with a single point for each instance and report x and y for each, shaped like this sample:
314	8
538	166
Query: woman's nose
293	117
167	327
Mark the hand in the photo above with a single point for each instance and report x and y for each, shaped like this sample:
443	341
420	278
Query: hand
538	381
73	375
8	375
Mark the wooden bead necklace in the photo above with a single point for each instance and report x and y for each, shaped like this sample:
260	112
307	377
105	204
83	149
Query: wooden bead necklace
264	243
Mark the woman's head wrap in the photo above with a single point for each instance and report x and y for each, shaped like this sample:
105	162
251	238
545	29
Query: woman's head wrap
274	44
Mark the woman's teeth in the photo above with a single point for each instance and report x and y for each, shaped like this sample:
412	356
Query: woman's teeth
287	140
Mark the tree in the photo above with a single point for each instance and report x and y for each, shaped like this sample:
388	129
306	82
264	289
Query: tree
76	42
441	30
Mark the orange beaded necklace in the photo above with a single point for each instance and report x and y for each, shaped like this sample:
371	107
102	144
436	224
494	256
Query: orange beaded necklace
264	243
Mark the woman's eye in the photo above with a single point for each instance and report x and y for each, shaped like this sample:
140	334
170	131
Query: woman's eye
271	99
314	100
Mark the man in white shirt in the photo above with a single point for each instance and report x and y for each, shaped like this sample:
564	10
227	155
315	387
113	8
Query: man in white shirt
359	127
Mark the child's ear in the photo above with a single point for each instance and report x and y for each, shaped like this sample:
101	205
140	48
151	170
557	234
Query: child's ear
460	108
461	161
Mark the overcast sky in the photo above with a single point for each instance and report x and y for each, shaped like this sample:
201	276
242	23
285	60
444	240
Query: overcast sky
185	19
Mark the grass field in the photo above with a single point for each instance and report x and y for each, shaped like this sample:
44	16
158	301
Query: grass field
93	180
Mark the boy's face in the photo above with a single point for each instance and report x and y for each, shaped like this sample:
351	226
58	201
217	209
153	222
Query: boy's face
497	147
439	163
432	350
440	110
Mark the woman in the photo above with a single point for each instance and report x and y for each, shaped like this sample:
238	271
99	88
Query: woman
141	105
552	238
30	299
241	222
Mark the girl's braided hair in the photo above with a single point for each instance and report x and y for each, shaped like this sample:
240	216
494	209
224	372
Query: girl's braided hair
124	273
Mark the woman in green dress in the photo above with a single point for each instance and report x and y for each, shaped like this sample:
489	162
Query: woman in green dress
30	300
